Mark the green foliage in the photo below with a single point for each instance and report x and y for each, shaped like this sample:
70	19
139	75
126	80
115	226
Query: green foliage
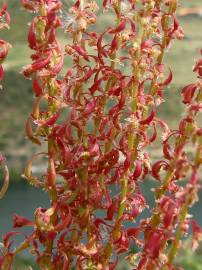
188	259
23	264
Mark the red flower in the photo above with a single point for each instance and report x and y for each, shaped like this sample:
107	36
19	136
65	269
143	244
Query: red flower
154	243
19	221
188	93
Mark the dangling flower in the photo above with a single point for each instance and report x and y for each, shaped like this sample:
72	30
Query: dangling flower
19	221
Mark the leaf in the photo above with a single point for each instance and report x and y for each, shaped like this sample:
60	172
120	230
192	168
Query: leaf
7	237
188	93
50	121
29	132
149	119
66	221
153	244
94	149
127	162
154	135
168	80
32	36
37	87
111	210
28	171
166	151
114	44
138	170
95	86
90	107
81	52
157	167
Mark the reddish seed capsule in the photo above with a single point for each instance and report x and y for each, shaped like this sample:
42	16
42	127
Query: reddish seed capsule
149	119
51	175
119	28
188	93
138	170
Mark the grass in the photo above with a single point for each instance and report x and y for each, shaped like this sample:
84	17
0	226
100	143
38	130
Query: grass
23	264
189	3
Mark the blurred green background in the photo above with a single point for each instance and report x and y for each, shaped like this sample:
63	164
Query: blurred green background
16	100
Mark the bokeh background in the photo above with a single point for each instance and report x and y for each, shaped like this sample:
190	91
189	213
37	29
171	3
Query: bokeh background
16	100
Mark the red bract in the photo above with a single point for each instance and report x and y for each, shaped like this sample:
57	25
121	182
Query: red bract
19	221
188	93
97	123
4	17
153	244
157	167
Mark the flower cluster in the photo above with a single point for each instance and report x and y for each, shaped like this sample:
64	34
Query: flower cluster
178	174
4	47
98	120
